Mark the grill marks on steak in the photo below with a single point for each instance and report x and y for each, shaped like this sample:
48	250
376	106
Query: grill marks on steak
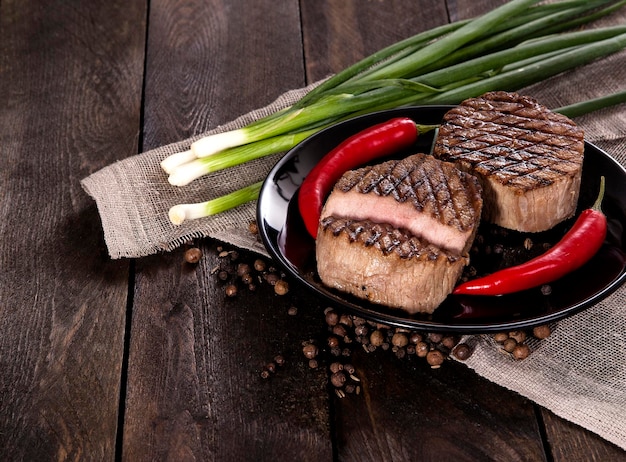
529	159
397	233
431	199
385	265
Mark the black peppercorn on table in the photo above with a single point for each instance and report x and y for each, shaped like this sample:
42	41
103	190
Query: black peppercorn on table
161	358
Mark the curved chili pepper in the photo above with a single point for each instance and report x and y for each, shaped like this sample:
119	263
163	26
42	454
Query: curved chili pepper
574	249
374	142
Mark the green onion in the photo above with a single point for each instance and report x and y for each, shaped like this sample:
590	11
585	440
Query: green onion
595	104
186	173
181	212
510	47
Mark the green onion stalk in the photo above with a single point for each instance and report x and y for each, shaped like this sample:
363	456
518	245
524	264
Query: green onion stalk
508	48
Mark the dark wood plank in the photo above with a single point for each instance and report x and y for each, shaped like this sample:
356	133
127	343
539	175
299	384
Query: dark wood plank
70	86
572	443
408	411
194	384
338	34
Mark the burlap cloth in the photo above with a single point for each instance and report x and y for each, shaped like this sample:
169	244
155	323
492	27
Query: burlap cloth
579	372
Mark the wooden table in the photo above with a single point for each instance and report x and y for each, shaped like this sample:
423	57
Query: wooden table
149	359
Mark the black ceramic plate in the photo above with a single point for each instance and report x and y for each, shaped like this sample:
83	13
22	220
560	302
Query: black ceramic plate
287	241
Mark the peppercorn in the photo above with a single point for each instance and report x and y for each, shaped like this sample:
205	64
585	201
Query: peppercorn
340	331
521	351
335	367
541	332
279	360
338	379
333	341
292	311
421	349
223	275
253	228
399	339
271	367
377	338
265	374
310	350
332	318
448	341
247	278
509	344
360	330
435	358
500	337
349	368
193	255
231	290
313	363
259	265
462	351
281	287
415	338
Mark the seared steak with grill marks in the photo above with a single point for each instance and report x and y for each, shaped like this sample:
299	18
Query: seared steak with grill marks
385	265
430	199
397	233
528	158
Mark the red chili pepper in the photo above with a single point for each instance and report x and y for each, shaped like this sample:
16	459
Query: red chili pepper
577	247
374	142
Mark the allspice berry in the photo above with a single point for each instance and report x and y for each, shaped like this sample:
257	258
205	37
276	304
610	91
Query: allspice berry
541	332
193	255
338	379
462	351
435	358
281	287
310	350
521	351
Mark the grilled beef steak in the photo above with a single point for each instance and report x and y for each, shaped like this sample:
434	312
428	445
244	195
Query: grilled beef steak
528	158
385	265
430	199
398	233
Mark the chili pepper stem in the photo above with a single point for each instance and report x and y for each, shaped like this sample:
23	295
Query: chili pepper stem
597	205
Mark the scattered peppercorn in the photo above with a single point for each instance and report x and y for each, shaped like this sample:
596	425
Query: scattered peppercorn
509	344
253	227
462	351
521	351
310	350
281	287
259	265
338	379
542	332
193	255
231	290
435	358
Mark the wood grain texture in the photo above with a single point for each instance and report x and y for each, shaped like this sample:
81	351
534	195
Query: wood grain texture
569	442
210	62
194	385
338	34
70	86
408	411
71	80
195	389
